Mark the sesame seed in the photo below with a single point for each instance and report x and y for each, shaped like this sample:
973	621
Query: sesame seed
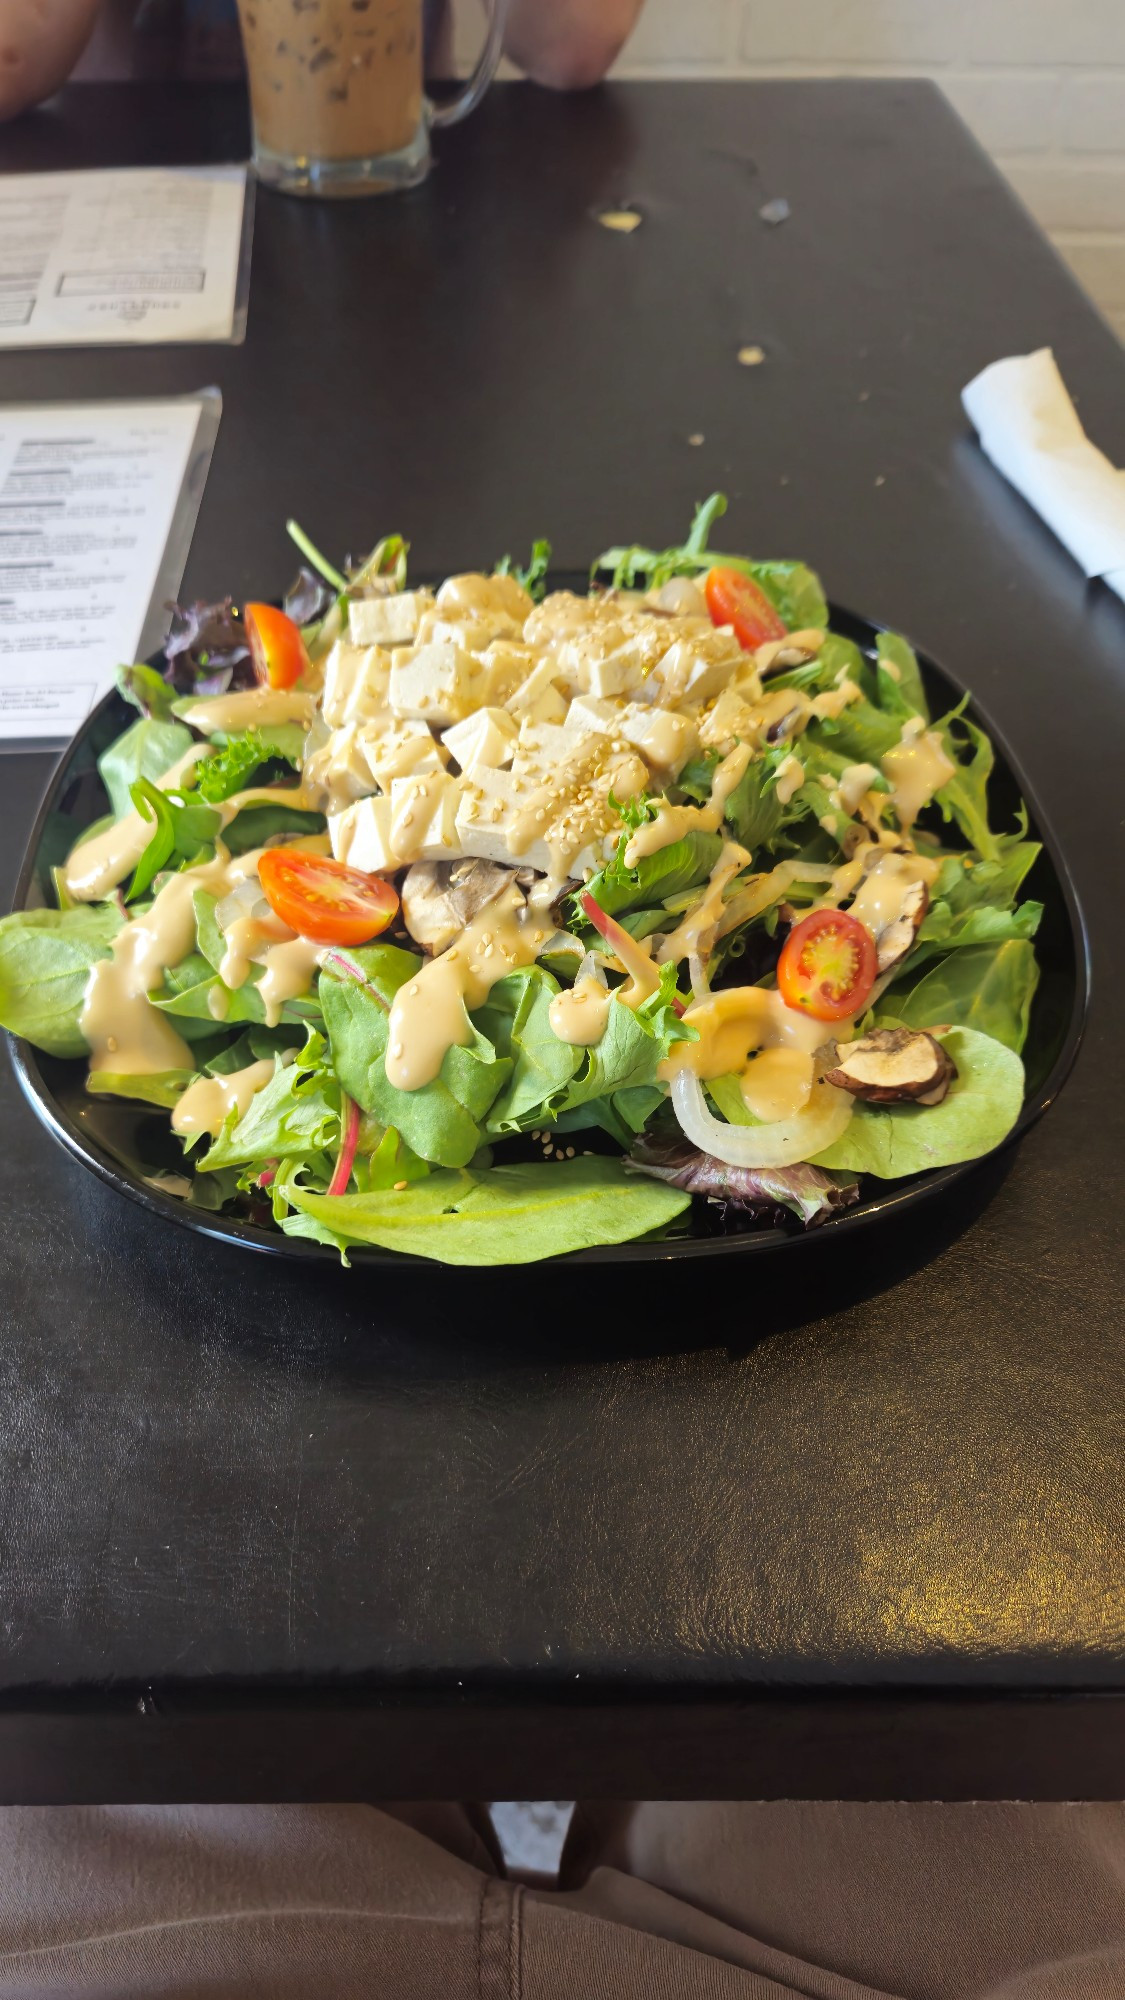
399	1185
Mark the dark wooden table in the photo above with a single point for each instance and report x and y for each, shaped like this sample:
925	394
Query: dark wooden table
850	1527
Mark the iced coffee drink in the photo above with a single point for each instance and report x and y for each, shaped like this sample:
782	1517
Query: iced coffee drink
336	92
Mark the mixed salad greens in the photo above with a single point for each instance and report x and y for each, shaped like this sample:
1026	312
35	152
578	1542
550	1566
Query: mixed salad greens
489	923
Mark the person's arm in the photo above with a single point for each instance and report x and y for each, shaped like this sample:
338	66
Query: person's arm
40	42
568	44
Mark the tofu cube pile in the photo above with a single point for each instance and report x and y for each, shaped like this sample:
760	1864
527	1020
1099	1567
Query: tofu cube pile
476	723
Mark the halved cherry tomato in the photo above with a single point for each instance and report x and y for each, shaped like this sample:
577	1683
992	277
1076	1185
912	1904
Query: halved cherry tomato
324	899
276	646
827	966
735	599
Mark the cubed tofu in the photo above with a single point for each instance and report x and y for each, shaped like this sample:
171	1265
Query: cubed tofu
432	684
492	822
594	716
728	718
424	817
546	749
694	670
356	679
339	770
485	738
400	748
387	621
537	699
361	836
501	669
664	737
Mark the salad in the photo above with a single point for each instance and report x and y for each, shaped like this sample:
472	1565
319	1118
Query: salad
489	922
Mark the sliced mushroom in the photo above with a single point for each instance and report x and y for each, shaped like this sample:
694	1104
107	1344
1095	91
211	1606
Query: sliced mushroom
895	939
440	897
893	1066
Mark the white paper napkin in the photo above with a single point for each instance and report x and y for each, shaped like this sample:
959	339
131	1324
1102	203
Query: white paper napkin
1030	429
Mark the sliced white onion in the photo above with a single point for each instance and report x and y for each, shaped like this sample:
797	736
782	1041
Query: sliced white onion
697	971
591	968
244	900
782	1144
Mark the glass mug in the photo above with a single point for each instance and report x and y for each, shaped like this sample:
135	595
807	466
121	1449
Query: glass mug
336	92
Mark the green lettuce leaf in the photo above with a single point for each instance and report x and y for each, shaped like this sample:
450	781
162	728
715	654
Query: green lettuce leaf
635	1043
534	576
504	1215
295	1114
146	750
967	884
904	696
944	931
147	690
792	587
516	1020
441	1122
965	798
986	987
46	958
672	869
232	769
981	1107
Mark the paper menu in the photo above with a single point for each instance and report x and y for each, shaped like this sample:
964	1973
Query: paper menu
123	255
97	504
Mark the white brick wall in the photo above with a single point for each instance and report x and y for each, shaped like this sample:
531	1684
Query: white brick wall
1041	83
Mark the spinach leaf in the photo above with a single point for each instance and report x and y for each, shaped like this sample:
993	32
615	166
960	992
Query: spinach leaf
146	750
981	1107
297	1113
634	1044
441	1122
162	1087
189	986
987	987
900	693
672	869
861	731
46	957
504	1215
516	1019
262	822
182	828
753	808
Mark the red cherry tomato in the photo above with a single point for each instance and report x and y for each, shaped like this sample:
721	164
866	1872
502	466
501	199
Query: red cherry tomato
735	599
324	899
827	966
276	646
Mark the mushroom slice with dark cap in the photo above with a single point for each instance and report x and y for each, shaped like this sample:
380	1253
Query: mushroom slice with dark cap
895	939
440	897
893	1066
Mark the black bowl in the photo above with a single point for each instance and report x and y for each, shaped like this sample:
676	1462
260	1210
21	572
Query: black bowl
128	1145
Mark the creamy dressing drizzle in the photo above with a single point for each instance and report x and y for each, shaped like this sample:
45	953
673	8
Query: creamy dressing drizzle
580	1012
790	778
250	708
673	822
430	1013
124	1031
732	1026
916	768
880	900
696	933
98	865
206	1104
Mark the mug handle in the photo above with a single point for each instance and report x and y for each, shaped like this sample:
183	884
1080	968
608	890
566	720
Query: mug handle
472	90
